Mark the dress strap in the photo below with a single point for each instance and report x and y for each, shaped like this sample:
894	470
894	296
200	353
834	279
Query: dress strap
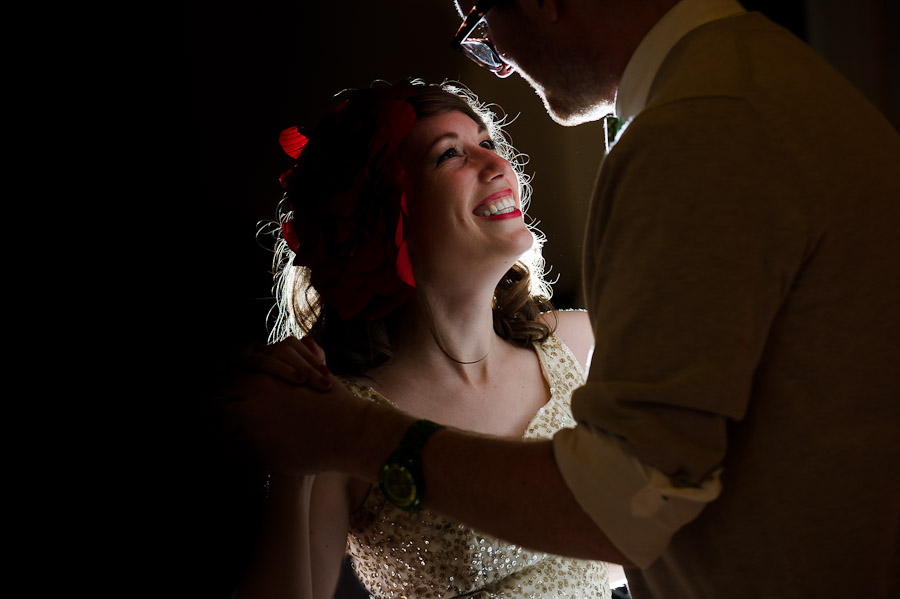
561	368
360	389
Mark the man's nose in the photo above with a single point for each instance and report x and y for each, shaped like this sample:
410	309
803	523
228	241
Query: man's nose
505	71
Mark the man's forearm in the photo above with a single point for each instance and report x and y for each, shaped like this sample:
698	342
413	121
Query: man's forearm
510	489
513	490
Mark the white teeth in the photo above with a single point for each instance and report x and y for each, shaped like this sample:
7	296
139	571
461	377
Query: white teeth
503	206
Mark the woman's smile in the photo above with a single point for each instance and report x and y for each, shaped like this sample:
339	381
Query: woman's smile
500	205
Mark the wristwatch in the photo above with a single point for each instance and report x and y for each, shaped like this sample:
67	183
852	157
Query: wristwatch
400	479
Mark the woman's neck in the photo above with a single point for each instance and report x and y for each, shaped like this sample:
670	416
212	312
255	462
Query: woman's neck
447	331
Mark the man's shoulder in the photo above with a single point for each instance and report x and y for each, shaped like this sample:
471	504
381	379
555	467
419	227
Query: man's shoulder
730	58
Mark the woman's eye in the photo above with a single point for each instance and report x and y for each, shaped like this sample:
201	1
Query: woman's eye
449	153
455	152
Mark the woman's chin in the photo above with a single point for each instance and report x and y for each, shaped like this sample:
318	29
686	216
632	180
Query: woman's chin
524	240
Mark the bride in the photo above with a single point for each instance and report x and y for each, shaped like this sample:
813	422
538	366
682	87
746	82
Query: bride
403	252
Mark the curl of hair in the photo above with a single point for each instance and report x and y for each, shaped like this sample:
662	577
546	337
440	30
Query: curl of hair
355	345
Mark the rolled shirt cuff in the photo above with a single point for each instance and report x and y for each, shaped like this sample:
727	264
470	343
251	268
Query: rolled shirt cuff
637	506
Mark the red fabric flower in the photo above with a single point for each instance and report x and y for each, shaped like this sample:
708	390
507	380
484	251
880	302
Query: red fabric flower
348	203
292	142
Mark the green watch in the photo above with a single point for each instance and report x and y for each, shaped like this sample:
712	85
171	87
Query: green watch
400	479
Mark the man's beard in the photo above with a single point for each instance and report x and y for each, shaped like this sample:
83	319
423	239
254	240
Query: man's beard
569	97
571	112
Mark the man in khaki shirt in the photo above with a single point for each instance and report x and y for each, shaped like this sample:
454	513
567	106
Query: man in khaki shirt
737	432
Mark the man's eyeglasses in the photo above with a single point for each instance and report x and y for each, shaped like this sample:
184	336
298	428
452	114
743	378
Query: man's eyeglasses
473	40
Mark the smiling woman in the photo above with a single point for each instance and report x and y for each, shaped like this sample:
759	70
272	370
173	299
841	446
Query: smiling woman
402	250
464	209
367	188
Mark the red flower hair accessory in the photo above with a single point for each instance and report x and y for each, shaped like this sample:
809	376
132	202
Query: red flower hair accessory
348	203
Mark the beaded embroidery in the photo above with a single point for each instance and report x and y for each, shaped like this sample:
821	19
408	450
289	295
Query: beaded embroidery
399	555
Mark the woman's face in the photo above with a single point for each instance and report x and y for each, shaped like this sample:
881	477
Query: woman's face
465	215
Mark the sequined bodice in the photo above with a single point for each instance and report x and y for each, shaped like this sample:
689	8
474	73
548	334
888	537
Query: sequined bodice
397	554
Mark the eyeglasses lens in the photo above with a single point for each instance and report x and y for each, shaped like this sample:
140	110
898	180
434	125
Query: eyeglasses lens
479	49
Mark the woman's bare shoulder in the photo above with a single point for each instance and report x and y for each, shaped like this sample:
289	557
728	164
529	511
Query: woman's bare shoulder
574	328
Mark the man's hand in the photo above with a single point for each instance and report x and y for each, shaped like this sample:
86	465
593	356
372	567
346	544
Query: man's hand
298	361
289	428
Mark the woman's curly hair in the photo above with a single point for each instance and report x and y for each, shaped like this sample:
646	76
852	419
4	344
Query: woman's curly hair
358	343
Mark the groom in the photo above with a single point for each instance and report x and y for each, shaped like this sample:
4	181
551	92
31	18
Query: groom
737	433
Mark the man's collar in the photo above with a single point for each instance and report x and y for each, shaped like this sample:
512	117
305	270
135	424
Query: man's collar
683	18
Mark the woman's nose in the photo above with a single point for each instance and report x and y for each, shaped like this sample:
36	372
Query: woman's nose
493	165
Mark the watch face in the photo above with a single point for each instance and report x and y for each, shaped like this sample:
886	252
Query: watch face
398	484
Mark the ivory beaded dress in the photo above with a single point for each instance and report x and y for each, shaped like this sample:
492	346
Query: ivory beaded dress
399	555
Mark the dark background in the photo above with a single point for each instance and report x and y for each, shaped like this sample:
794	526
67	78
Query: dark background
254	69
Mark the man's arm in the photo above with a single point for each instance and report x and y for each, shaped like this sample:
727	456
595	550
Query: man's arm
510	489
513	490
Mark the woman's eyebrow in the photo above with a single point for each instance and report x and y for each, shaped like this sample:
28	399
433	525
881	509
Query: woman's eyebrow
439	138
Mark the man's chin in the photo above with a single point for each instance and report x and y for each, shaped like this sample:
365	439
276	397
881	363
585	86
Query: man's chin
570	114
575	105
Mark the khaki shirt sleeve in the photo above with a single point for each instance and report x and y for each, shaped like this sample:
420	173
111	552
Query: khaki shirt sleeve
638	507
